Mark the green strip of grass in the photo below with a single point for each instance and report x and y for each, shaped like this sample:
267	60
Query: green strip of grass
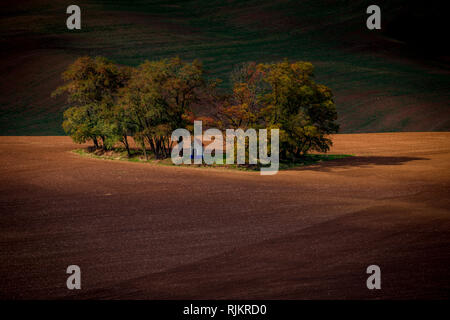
121	155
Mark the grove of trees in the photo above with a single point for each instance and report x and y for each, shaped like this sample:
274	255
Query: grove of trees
109	103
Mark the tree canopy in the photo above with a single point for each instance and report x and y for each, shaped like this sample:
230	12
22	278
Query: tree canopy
108	103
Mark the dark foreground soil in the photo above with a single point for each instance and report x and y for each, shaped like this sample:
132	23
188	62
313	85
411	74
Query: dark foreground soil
145	231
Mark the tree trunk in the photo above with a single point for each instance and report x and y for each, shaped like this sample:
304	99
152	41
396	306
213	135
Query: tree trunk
283	153
144	149
158	149
95	142
152	145
125	142
103	143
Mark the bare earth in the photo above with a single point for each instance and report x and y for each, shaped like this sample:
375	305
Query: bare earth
144	231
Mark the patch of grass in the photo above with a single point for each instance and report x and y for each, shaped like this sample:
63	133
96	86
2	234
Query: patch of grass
121	155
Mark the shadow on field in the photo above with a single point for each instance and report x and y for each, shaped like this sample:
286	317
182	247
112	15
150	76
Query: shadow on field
358	161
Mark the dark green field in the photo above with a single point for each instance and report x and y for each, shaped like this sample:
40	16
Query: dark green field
396	79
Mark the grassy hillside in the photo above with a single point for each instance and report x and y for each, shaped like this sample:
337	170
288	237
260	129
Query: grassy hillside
396	79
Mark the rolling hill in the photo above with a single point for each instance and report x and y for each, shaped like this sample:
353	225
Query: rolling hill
395	79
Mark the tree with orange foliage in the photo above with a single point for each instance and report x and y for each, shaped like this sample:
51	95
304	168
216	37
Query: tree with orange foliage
282	95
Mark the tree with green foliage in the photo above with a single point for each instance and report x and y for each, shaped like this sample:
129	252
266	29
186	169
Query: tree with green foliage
158	100
91	85
303	110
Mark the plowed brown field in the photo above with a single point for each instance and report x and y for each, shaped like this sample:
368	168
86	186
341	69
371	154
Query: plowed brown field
146	231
